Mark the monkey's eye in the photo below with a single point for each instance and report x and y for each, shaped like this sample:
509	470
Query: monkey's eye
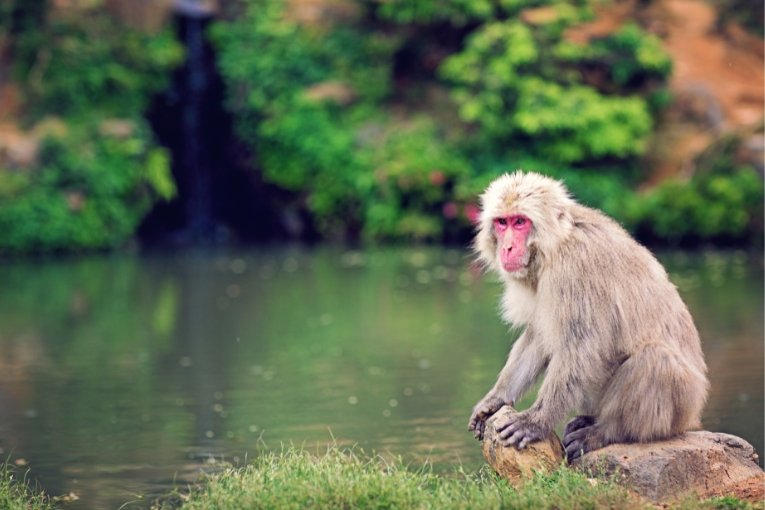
500	223
519	221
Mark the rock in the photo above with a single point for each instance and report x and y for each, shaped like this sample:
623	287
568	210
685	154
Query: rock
18	149
148	15
196	8
540	15
117	128
332	91
706	463
519	465
322	13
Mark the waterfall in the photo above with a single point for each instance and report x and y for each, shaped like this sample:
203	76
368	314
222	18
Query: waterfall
220	197
195	158
189	120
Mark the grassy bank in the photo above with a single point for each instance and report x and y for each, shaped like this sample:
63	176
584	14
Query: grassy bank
295	479
15	493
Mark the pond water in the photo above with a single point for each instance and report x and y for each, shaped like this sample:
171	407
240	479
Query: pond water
123	375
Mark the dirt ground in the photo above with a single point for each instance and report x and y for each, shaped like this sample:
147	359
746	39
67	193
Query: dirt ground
751	489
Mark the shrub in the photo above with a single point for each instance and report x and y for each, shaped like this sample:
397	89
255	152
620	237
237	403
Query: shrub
629	57
456	12
711	206
90	64
520	94
90	191
412	191
309	103
315	103
100	171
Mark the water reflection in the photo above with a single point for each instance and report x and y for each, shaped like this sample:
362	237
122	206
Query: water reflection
122	375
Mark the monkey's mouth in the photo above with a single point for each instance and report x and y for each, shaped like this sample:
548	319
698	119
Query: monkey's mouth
513	266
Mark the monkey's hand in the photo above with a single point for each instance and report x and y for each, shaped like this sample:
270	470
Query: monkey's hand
520	429
486	407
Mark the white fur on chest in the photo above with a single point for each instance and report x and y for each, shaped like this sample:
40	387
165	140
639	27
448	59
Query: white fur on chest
518	303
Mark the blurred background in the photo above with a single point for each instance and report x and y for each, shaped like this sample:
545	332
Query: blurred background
191	121
227	225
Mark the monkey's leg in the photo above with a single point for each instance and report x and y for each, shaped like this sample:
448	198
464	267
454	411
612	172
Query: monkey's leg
655	394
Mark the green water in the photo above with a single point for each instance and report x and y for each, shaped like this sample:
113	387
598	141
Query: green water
123	375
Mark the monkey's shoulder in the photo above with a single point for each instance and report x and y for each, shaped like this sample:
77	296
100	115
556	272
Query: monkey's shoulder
600	252
595	233
590	223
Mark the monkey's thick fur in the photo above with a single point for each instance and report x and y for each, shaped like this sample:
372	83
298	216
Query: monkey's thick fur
600	317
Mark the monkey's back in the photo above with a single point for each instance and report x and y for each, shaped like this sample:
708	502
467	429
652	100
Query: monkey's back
629	301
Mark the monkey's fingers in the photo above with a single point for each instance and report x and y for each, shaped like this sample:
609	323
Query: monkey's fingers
518	439
525	441
507	428
480	430
476	426
523	436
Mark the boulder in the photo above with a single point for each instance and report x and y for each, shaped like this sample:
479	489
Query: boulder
519	465
705	463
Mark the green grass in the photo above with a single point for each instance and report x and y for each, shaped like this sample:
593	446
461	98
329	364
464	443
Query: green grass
346	479
15	493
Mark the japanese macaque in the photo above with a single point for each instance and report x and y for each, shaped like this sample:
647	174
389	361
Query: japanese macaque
599	316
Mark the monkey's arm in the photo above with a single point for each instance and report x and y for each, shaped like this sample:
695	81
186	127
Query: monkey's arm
562	390
523	366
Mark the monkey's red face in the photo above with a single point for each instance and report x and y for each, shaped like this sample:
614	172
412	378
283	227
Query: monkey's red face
511	232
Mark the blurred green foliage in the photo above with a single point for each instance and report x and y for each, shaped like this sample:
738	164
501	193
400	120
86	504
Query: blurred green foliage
90	191
457	12
311	103
370	158
370	154
99	171
629	56
711	206
411	186
78	66
508	82
380	123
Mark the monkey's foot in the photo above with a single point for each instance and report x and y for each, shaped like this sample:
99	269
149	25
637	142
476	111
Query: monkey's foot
581	440
577	423
520	429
